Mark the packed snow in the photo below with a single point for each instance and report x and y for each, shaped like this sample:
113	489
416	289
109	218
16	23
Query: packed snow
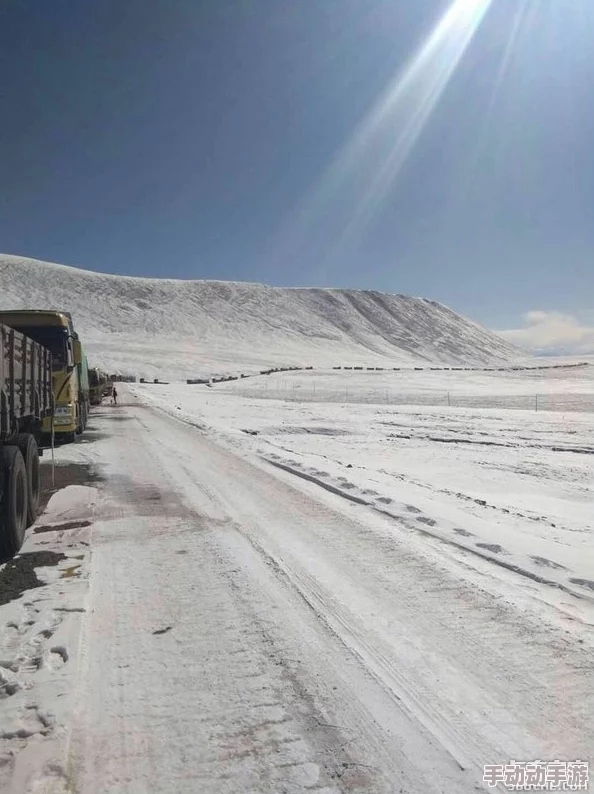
183	329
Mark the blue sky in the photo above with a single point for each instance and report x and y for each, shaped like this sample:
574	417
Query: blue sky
309	142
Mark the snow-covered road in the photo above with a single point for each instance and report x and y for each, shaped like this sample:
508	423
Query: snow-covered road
245	630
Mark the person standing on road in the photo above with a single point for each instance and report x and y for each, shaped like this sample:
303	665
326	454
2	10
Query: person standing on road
114	394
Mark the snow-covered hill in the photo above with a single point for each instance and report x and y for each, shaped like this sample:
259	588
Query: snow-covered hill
172	328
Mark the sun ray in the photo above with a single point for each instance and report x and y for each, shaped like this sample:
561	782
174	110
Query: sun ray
426	81
521	21
521	15
368	164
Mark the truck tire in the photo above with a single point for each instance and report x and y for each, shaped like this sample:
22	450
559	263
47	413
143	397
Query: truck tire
13	506
28	446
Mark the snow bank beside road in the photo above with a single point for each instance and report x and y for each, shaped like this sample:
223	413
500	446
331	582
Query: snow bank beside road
42	602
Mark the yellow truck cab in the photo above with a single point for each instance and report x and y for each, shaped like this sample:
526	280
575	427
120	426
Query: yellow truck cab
54	330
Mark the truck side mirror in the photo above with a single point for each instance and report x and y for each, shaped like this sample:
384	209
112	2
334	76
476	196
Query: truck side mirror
78	352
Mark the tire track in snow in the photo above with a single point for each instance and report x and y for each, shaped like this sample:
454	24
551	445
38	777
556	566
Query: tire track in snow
233	713
250	691
241	470
477	549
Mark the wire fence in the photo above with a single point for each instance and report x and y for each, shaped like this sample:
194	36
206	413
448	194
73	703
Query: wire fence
560	402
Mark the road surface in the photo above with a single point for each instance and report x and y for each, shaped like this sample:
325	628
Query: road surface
246	631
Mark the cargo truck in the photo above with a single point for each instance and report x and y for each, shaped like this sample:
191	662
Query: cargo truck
99	385
54	330
95	394
26	402
84	396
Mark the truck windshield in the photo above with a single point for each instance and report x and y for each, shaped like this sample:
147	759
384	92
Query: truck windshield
53	338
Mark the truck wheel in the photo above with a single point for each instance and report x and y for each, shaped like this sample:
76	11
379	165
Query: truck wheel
13	507
28	446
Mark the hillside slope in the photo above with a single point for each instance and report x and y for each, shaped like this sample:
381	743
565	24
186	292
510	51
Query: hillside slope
178	328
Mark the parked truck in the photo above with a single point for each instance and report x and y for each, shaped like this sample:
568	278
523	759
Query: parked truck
84	395
26	402
55	331
99	385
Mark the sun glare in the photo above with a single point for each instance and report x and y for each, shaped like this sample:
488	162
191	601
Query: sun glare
378	149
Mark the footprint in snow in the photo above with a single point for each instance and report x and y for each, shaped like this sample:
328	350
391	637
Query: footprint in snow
464	532
58	657
8	688
163	631
584	582
493	547
547	563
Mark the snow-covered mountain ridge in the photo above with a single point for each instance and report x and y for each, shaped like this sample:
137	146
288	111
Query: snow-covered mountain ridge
173	328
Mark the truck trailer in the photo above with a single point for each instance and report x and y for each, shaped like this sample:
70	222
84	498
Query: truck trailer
26	403
99	385
55	331
84	394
